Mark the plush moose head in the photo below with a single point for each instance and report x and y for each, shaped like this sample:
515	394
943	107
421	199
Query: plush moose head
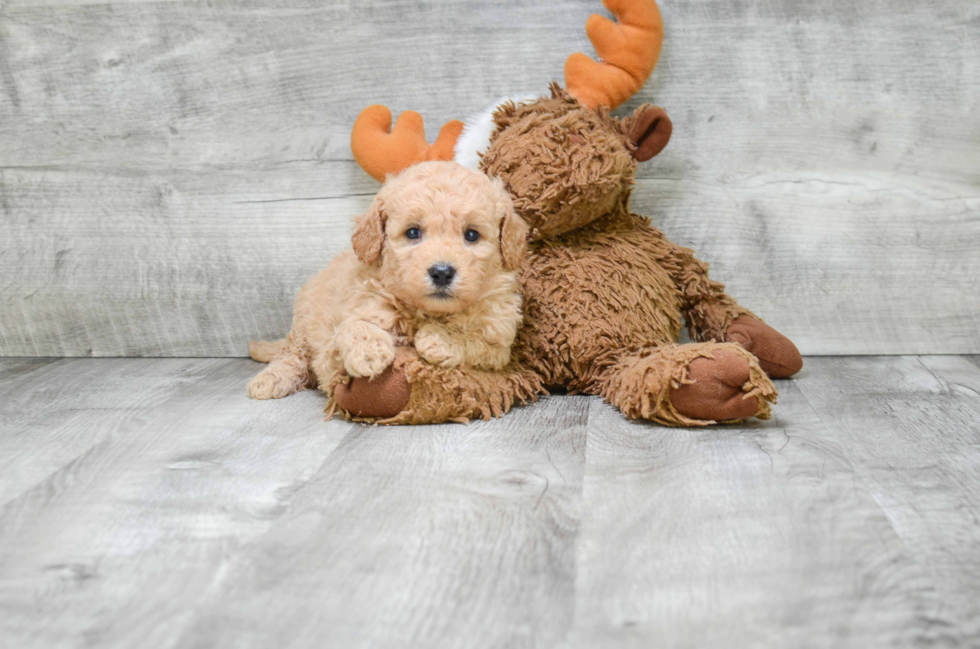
565	159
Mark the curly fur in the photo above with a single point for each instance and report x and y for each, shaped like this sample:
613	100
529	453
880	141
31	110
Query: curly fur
604	292
564	165
349	318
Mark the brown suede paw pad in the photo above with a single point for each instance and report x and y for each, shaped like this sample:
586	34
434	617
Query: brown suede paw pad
715	389
382	397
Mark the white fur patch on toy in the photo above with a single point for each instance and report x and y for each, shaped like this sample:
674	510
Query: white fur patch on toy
475	138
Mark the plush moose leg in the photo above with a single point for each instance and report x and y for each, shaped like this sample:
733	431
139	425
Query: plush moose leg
711	314
689	385
412	391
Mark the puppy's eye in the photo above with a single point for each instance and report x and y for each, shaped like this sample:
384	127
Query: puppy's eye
413	233
471	235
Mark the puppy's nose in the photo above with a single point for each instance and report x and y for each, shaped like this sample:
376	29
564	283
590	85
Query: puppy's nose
442	274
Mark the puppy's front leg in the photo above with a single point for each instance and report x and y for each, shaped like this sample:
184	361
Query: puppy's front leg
366	348
436	345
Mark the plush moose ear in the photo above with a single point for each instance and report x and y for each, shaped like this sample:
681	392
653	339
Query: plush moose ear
369	233
513	234
650	132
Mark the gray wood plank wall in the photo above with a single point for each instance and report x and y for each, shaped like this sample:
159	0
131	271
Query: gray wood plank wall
171	172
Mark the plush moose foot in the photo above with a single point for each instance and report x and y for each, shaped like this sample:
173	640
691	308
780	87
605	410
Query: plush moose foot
697	384
382	397
715	391
777	354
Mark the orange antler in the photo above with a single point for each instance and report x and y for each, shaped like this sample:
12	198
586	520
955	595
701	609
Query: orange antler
628	50
381	150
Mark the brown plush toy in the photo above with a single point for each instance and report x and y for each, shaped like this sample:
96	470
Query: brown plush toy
605	293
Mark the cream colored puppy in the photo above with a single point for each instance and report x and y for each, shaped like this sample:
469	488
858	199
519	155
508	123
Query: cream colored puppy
434	264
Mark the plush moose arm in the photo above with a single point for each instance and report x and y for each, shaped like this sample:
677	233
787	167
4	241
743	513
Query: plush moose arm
412	391
712	314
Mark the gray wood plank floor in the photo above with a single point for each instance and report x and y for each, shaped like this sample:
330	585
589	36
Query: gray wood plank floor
148	502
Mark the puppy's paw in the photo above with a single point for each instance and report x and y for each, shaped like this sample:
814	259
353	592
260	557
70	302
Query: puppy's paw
269	385
369	358
435	349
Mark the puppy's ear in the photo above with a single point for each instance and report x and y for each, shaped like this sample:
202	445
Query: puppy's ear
369	233
513	232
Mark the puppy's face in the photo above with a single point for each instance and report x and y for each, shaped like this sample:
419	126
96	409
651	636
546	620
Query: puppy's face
441	234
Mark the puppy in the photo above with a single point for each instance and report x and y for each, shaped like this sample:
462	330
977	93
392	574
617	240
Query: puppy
434	264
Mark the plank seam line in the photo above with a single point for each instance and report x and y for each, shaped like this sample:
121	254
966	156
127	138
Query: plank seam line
304	198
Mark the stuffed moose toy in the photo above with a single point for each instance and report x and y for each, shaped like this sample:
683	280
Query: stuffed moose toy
604	292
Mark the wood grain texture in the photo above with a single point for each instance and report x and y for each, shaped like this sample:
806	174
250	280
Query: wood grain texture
912	429
763	534
136	481
171	172
431	536
148	502
61	410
